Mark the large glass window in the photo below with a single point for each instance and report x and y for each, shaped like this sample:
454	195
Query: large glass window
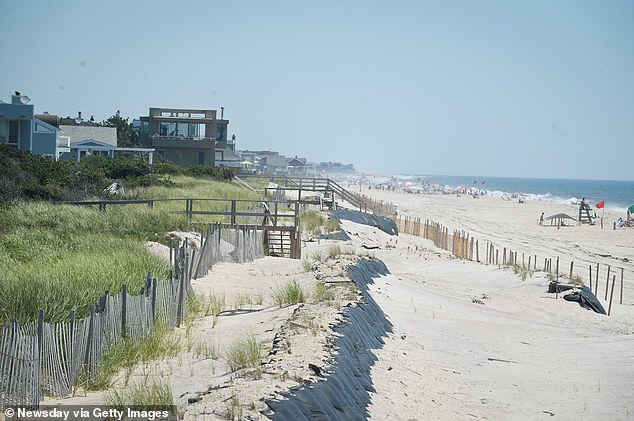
221	132
182	129
167	129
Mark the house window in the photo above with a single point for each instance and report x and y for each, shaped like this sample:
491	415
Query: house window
40	128
4	131
167	129
14	132
221	132
201	158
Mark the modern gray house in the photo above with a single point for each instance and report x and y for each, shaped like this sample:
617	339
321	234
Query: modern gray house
186	136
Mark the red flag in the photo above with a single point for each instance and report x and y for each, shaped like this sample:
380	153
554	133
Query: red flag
601	204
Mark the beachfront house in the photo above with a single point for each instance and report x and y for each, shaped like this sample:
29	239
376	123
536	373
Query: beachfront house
300	167
87	138
273	163
186	136
20	127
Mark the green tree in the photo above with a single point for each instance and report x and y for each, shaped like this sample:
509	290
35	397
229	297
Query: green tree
127	137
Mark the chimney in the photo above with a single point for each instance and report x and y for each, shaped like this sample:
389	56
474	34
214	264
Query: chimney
222	113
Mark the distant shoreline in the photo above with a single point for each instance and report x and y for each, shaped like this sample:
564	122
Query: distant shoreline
617	194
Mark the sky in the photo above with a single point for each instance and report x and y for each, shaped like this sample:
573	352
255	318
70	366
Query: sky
535	88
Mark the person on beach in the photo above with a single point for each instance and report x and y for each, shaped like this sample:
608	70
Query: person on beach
584	204
541	219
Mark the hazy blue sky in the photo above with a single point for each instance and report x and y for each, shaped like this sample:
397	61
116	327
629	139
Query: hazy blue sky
492	88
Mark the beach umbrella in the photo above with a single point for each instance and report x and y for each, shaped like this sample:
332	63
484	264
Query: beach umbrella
631	209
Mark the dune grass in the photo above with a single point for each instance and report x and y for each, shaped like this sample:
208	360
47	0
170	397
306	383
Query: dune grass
289	293
155	396
126	353
63	257
312	221
183	187
59	258
245	353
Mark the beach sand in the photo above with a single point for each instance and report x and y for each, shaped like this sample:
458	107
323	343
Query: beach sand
474	341
470	340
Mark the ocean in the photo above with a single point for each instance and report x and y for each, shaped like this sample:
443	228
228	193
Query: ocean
618	195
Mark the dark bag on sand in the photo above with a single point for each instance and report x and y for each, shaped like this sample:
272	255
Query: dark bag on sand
586	299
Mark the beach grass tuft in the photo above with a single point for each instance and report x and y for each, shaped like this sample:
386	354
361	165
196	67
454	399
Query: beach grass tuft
127	353
289	293
523	271
245	353
154	396
312	221
334	251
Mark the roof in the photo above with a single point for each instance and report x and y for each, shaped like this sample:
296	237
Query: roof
91	144
559	216
79	133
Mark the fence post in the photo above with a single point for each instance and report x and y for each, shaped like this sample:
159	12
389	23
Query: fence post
91	328
596	283
607	281
124	300
571	266
233	212
148	283
590	268
621	300
40	345
71	356
557	279
611	294
154	299
181	287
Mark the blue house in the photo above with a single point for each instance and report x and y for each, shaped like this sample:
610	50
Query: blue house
20	128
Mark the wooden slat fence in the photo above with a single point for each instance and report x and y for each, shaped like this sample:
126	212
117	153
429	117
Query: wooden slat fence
40	358
235	245
464	246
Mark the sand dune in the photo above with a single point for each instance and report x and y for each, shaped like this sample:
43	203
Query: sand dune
470	340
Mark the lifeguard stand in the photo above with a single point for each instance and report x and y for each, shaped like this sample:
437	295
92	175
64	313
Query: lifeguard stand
584	215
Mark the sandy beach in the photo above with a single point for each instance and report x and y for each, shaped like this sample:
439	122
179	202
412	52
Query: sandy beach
470	340
473	341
